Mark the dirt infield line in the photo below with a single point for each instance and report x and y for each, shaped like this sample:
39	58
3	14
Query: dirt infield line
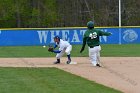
118	72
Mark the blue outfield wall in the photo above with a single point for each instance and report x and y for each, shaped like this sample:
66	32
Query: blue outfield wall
27	37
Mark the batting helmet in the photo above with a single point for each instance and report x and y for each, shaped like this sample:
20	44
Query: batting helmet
90	24
57	37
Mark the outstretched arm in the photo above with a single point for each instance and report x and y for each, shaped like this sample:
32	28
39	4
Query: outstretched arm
102	33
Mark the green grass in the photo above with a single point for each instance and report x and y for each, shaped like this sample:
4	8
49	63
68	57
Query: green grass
126	50
46	80
25	51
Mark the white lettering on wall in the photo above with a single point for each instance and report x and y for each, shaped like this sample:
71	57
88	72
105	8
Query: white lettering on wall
75	37
53	34
82	32
65	35
42	36
45	35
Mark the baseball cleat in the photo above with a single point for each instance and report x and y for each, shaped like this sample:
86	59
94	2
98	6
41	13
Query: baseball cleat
98	65
68	62
56	62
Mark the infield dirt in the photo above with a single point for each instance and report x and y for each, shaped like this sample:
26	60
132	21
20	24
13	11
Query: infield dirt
122	73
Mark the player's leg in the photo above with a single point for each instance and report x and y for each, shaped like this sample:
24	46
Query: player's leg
58	56
67	51
93	56
98	55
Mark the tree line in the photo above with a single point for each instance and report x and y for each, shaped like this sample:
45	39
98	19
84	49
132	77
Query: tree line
67	13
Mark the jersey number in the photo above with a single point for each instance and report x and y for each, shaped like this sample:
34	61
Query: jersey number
93	35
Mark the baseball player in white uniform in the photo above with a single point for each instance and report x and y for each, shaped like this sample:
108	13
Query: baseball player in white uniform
64	47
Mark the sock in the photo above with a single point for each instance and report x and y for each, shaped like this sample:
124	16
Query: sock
69	57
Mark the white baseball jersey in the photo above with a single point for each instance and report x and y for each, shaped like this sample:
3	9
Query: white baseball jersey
64	47
63	44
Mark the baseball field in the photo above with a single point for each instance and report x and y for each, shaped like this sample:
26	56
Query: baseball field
30	69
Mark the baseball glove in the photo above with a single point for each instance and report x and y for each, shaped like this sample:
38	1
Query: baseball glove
50	49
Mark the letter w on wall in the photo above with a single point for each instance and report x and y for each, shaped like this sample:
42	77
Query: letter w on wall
42	36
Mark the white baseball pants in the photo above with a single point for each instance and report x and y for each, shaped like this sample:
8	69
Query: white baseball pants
65	50
94	54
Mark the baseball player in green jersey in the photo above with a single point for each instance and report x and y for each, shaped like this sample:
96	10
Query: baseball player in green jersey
91	38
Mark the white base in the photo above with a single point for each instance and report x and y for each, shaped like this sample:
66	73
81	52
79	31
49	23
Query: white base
72	62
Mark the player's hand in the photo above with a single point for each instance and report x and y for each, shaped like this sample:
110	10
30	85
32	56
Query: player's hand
110	33
50	49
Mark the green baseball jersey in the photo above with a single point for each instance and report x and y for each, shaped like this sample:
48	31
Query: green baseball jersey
91	37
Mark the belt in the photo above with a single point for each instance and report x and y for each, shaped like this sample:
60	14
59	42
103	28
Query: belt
93	46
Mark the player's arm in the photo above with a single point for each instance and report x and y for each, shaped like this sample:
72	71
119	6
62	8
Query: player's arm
84	43
60	49
102	33
56	51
